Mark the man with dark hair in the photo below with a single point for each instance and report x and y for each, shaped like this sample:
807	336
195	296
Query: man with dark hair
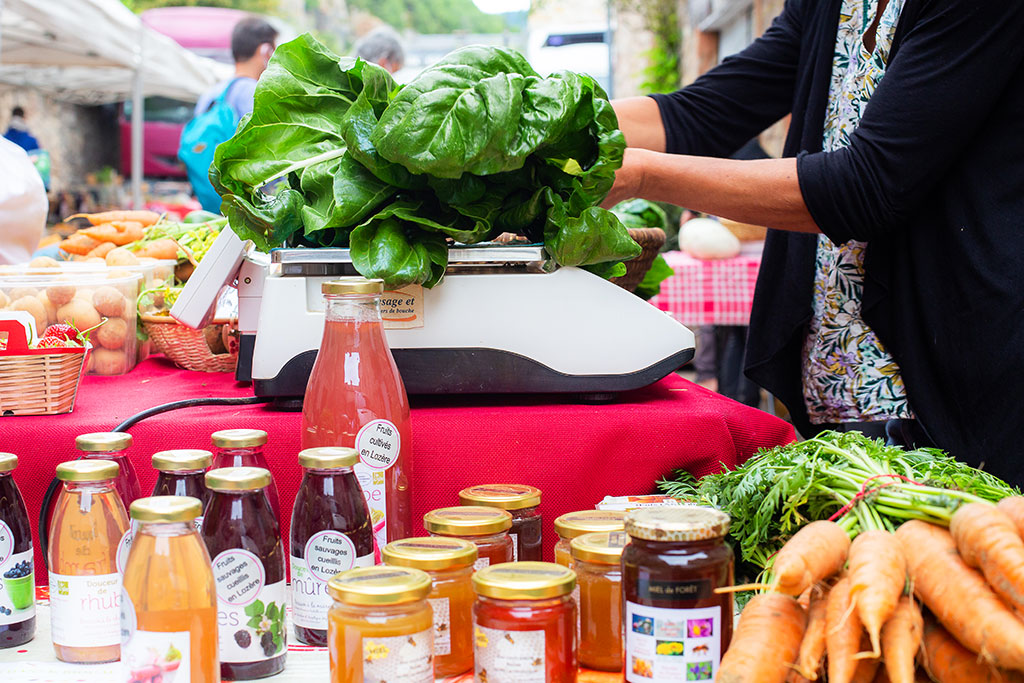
252	43
17	132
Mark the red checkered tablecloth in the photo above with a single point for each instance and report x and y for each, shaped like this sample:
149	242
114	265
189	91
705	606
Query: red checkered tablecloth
716	292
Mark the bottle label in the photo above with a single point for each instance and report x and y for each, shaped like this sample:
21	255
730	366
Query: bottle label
379	444
402	309
481	562
515	546
442	626
198	524
17	580
399	659
152	655
672	644
85	611
250	612
123	548
508	656
326	555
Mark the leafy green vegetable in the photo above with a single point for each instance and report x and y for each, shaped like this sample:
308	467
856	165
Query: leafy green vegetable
659	271
640	213
336	154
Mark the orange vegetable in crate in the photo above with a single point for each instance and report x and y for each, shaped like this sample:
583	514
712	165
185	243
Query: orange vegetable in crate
79	244
101	250
164	249
118	232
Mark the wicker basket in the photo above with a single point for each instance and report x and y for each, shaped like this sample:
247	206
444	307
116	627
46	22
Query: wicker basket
40	383
651	240
185	346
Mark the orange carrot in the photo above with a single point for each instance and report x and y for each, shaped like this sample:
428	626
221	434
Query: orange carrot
947	661
812	649
987	539
166	249
901	638
1013	506
815	553
960	597
766	641
878	574
147	218
842	633
867	669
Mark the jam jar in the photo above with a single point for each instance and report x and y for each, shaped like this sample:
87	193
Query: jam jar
487	528
183	473
523	503
244	448
449	562
112	446
677	627
380	627
597	561
573	524
524	623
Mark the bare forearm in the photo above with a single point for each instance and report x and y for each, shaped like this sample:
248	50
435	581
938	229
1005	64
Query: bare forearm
640	122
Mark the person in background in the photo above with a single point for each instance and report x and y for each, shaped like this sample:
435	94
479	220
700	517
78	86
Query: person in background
382	47
252	43
23	205
17	131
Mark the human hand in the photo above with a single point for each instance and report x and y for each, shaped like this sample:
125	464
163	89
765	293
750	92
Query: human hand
628	179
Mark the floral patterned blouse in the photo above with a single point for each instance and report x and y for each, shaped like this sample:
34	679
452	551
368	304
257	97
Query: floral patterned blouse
848	375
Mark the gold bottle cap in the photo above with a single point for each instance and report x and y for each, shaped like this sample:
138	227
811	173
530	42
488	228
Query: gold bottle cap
379	585
573	524
166	509
103	442
328	458
432	553
8	461
87	470
600	547
677	524
182	460
353	285
237	479
504	496
239	438
524	581
468	520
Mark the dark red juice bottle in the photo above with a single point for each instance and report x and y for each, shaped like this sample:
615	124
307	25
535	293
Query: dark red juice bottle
243	538
330	533
113	446
17	590
182	472
244	448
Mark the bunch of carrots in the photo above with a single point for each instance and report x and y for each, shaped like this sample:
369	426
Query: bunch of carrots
109	230
877	608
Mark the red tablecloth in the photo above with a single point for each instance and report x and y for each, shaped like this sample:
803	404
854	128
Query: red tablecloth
576	454
715	292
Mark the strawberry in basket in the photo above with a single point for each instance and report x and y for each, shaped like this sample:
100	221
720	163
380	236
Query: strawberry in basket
64	335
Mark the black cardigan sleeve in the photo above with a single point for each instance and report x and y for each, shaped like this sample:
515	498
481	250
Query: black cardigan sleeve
942	84
738	99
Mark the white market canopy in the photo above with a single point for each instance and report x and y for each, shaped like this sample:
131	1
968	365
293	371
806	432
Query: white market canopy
94	52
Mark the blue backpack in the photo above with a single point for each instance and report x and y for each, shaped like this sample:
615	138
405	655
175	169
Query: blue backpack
199	140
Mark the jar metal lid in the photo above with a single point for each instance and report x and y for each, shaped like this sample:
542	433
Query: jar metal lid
238	479
504	496
87	470
328	457
8	461
573	524
432	553
182	459
380	585
524	581
103	442
239	438
599	547
353	285
468	520
166	509
677	524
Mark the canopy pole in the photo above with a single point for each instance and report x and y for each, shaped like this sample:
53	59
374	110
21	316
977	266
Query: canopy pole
138	114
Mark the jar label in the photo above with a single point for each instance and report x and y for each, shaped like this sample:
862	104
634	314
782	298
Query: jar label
656	591
515	546
442	626
123	548
310	601
402	309
508	656
481	562
579	611
85	611
672	644
399	659
17	581
157	656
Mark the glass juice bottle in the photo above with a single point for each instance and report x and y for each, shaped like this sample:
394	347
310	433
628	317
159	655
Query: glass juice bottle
243	538
598	565
113	446
330	533
523	503
17	576
182	472
86	534
449	563
356	398
524	624
573	524
169	603
486	528
244	448
381	627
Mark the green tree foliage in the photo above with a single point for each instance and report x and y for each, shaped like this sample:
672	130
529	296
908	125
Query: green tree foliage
432	16
661	18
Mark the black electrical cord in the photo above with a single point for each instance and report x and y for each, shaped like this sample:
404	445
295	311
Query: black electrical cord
51	490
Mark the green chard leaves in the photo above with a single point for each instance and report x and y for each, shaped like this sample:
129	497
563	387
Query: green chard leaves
335	153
